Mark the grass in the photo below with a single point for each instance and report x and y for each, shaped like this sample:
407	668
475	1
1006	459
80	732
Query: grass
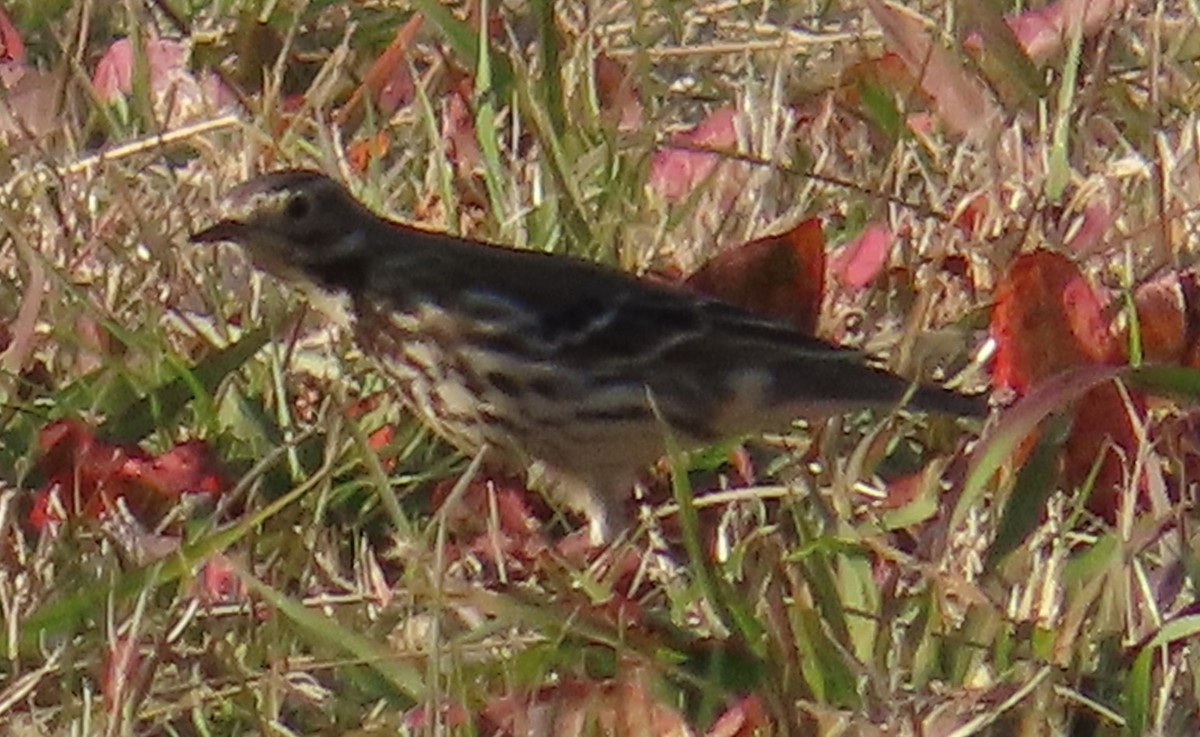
327	592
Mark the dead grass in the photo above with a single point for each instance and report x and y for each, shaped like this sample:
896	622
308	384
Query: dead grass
349	606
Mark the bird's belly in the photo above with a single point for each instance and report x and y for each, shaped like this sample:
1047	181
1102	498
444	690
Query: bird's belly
429	374
451	398
473	392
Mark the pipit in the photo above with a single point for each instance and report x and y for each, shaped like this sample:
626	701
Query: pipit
547	358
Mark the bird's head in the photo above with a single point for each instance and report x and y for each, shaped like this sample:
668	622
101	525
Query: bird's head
295	223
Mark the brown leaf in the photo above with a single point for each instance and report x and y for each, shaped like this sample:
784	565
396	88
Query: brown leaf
780	276
388	84
458	131
364	151
617	92
30	104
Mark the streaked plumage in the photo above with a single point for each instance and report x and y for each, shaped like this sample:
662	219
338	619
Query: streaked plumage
550	358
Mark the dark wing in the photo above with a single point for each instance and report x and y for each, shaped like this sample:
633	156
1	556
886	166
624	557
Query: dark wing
578	311
621	329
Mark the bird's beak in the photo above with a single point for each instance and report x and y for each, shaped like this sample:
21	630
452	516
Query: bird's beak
226	230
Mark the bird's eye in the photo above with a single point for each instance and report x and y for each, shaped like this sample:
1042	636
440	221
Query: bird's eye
297	207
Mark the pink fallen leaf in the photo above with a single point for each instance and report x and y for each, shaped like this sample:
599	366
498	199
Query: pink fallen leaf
1043	32
676	171
959	97
861	260
745	718
121	664
426	717
29	106
177	94
114	72
12	48
1089	237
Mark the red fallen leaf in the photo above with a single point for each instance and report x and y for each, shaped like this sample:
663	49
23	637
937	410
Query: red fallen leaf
1103	429
903	491
47	509
188	468
121	664
743	466
625	705
745	718
12	48
59	440
887	72
1189	284
971	215
218	582
860	261
89	477
1047	319
388	84
113	77
369	403
451	714
617	93
471	515
291	104
781	276
1088	325
676	172
1163	319
381	438
362	152
83	473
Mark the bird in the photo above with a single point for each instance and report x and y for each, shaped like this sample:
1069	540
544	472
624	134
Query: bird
543	359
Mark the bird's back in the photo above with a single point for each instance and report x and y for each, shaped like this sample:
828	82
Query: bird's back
600	344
